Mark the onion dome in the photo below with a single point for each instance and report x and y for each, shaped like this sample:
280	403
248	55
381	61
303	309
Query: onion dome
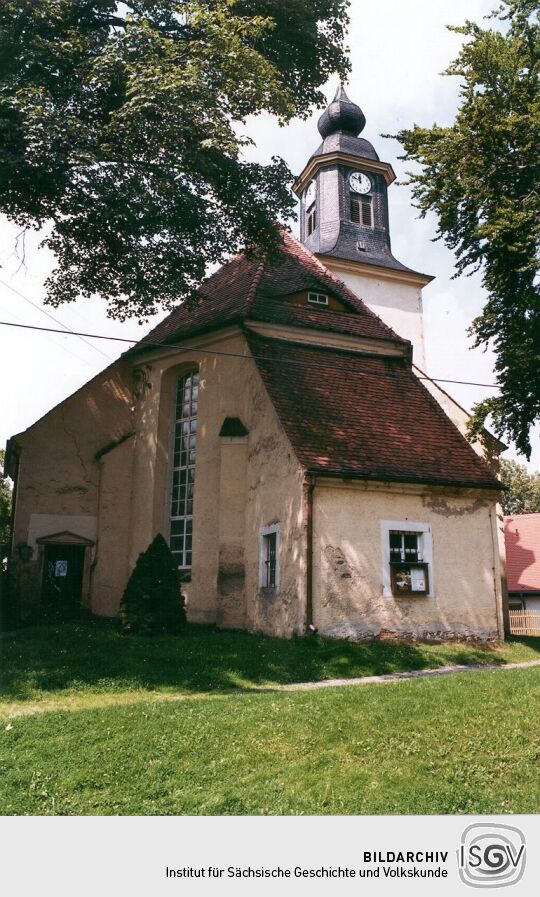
341	115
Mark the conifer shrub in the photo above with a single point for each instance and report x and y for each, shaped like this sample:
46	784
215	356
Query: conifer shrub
152	601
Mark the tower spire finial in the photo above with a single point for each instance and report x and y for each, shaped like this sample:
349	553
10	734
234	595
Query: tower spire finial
341	115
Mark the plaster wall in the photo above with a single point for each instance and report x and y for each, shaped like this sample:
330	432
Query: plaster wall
58	477
110	568
349	596
397	304
58	472
240	487
275	496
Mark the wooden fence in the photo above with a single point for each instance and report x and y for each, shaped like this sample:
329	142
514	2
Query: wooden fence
525	622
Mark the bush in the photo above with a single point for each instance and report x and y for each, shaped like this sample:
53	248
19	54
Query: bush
152	601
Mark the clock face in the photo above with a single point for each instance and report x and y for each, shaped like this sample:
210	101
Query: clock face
310	193
360	183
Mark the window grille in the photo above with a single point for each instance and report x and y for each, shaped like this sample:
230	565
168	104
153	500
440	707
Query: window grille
405	547
269	557
409	573
270	543
183	469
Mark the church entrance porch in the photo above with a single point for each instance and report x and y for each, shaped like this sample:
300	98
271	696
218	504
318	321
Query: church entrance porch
63	562
61	590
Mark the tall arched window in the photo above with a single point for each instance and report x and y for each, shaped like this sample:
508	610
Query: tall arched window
183	468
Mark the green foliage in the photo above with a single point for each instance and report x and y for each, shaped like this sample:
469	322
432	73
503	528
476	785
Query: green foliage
523	495
121	130
152	601
5	507
482	179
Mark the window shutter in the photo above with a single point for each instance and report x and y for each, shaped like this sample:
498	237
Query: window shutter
366	213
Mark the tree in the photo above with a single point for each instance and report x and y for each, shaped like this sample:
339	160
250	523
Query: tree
152	601
523	494
481	178
5	509
121	133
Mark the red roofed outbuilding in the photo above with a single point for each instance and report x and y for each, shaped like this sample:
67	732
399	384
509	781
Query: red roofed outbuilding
522	541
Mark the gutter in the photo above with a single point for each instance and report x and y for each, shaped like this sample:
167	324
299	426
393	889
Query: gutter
493	486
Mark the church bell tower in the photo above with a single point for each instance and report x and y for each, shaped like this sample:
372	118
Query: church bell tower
343	192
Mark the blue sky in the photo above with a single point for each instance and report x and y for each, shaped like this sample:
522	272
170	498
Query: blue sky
398	50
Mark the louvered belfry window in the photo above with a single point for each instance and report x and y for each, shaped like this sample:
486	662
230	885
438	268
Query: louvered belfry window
361	210
183	468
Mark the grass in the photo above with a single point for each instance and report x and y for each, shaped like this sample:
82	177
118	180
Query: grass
78	666
459	744
182	725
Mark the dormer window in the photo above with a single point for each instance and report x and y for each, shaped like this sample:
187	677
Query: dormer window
317	299
361	210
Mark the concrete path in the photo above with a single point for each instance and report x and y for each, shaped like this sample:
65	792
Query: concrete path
413	674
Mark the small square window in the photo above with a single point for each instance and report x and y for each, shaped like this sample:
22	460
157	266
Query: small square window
317	298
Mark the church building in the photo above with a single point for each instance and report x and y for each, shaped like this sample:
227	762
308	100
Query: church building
284	437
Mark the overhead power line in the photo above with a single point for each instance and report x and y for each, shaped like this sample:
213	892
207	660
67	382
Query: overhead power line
52	317
158	345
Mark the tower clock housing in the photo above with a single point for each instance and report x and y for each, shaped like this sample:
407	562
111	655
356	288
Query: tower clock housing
343	192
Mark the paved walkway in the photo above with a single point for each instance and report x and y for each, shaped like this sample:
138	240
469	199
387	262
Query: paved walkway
413	674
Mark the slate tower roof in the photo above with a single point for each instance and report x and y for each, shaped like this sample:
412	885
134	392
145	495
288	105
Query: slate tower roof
340	217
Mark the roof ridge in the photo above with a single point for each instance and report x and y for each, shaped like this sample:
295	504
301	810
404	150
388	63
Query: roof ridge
250	299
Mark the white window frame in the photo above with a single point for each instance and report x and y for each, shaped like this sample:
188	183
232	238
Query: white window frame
266	531
317	298
406	526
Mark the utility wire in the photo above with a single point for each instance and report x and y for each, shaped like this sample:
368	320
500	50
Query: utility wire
52	317
290	361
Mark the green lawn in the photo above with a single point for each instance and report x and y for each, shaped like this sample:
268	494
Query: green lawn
459	744
81	666
181	726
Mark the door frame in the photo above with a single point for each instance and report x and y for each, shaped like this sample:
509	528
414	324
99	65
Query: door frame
68	538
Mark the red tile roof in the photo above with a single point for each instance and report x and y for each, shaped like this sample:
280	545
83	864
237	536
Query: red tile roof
364	416
248	288
522	539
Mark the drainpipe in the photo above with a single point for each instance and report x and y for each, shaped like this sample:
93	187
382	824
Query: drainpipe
499	575
310	484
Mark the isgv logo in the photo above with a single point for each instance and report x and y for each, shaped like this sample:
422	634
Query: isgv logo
491	855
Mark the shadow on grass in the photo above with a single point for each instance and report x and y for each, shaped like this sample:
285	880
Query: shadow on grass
95	656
